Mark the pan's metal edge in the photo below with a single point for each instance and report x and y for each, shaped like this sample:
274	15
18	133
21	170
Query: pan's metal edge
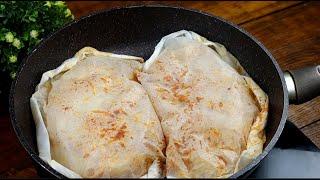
238	174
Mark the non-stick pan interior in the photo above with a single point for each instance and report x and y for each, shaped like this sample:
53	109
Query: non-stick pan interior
136	31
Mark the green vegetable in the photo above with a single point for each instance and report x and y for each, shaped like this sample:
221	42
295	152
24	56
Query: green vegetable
23	24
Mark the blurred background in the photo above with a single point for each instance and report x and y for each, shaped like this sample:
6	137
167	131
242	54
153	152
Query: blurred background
289	29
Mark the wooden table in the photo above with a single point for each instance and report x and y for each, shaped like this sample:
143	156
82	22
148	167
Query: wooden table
290	30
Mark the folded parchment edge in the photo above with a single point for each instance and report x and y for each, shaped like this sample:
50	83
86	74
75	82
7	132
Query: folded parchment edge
42	136
254	144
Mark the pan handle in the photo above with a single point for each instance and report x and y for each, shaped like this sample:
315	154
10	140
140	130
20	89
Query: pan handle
303	84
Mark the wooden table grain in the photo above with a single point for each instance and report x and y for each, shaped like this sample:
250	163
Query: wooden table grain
290	30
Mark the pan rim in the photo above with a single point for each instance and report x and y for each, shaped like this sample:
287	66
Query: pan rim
241	172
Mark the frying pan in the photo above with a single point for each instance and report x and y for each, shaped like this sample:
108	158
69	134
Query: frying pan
136	31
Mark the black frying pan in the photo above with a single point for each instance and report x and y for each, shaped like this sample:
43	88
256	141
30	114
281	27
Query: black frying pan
136	31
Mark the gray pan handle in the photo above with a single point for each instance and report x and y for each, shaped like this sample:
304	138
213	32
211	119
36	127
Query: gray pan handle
303	84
